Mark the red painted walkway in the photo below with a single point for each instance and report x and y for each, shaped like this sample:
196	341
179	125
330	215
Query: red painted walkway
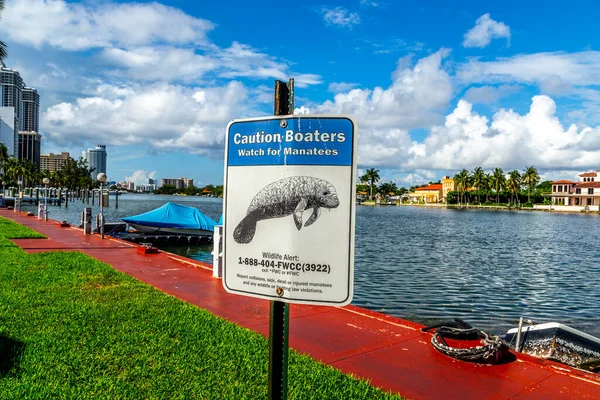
392	353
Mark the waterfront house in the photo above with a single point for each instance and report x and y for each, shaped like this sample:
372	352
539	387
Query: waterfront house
448	185
431	193
586	192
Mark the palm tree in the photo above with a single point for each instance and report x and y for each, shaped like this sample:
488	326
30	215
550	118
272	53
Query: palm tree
388	189
498	182
462	180
3	155
13	169
30	171
3	46
372	176
531	178
514	184
479	181
486	185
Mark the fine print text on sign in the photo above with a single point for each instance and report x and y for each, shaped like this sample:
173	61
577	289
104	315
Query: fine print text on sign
289	208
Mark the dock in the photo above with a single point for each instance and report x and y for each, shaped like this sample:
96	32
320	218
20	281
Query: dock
165	238
392	353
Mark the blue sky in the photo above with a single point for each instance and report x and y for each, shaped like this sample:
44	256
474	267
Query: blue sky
436	86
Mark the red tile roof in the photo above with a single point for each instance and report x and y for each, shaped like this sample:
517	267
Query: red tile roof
562	182
587	174
436	186
588	185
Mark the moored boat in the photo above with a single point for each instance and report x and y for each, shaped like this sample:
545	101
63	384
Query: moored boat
557	342
172	219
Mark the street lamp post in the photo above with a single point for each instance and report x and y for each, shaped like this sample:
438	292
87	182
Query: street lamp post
101	178
20	183
46	181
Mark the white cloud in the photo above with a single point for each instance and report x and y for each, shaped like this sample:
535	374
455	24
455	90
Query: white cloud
338	87
339	16
554	69
417	178
70	26
240	60
466	139
149	42
169	63
511	140
489	94
370	3
140	177
302	110
159	63
162	116
484	31
413	100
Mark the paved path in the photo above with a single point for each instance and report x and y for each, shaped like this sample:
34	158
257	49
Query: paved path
390	352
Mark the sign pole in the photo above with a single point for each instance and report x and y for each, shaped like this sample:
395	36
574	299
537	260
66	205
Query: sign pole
280	312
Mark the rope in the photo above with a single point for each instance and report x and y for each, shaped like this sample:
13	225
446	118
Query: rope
489	352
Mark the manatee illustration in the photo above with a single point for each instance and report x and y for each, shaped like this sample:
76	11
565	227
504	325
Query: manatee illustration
288	196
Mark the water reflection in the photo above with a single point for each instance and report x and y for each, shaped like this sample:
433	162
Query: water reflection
487	267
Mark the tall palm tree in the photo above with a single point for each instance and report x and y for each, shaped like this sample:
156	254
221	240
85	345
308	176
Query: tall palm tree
479	181
486	185
3	155
531	178
3	46
498	182
372	176
462	180
513	184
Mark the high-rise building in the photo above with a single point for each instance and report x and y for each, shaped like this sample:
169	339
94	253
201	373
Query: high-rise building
31	110
96	159
29	146
24	103
11	85
53	162
180	183
8	129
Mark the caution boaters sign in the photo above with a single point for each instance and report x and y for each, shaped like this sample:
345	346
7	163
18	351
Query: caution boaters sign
289	208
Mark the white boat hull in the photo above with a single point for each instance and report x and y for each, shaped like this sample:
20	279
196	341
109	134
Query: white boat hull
560	343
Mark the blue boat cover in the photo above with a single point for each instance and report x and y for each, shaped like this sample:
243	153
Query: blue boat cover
173	215
220	220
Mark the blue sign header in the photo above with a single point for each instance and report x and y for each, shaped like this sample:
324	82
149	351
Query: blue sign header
285	140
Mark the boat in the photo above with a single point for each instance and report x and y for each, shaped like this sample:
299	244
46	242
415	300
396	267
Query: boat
171	219
557	342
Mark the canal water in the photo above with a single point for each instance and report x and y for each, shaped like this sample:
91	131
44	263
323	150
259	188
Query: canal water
433	264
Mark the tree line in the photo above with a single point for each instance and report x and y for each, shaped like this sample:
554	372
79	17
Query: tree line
73	175
370	179
216	191
478	183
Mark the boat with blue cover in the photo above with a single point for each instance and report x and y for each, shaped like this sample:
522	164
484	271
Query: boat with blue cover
172	218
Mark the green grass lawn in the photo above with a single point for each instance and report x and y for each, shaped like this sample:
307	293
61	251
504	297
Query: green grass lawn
72	327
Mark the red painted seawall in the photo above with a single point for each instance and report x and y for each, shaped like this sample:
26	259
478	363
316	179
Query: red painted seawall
390	352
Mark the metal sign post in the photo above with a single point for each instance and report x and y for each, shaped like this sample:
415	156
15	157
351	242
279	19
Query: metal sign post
280	311
289	205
